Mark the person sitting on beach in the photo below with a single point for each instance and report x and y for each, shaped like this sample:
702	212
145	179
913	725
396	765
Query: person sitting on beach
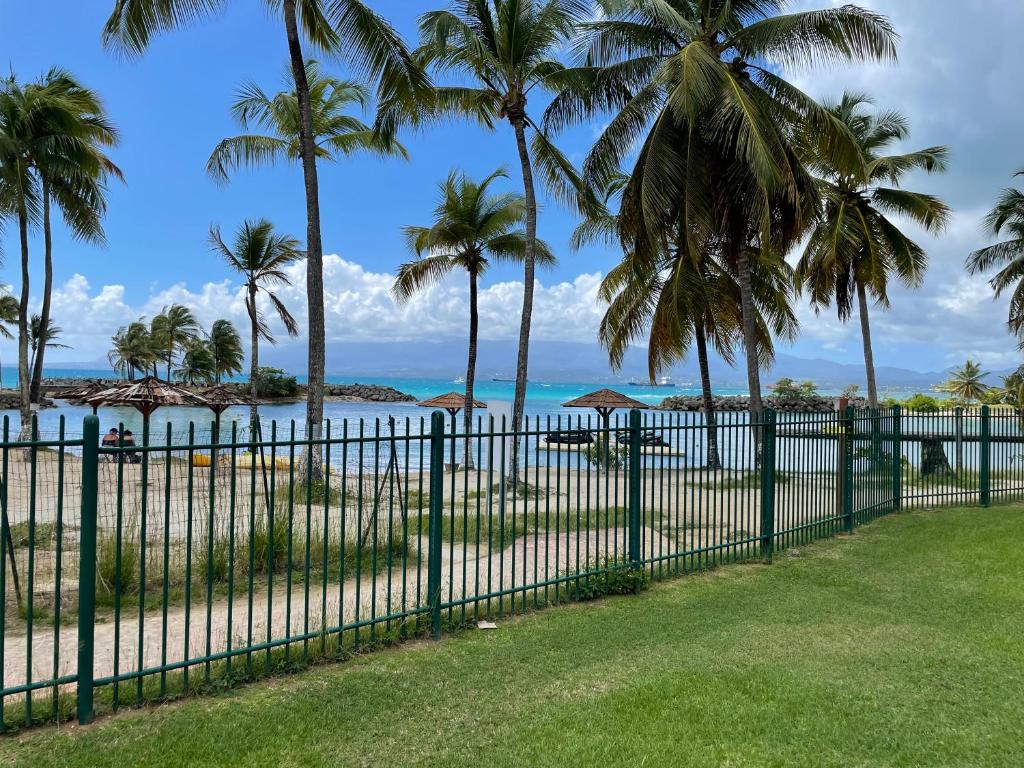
128	441
110	440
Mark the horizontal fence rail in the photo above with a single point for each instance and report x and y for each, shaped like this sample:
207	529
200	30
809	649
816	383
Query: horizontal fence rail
136	572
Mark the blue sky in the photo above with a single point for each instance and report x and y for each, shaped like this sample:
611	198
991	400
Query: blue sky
957	81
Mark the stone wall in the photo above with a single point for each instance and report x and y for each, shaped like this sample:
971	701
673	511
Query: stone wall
817	404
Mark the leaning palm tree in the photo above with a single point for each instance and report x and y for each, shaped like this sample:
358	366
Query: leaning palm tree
72	173
471	228
967	382
507	49
226	349
335	132
1006	219
855	249
691	83
133	350
51	134
174	329
347	28
260	256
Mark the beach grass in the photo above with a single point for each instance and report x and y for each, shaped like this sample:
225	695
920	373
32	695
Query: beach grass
900	645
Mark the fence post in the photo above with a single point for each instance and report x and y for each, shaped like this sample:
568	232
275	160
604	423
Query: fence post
434	545
984	480
635	457
847	463
897	460
768	484
87	568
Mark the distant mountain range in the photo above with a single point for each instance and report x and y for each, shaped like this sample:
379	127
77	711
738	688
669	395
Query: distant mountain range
556	361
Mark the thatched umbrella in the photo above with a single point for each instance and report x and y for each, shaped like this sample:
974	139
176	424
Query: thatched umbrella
453	402
83	393
145	396
220	398
604	401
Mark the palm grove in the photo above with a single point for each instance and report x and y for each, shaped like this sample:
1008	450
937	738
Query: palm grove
712	170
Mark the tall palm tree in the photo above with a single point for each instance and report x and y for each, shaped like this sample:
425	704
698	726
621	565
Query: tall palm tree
42	337
174	329
1006	219
260	256
690	82
133	350
967	382
73	174
854	248
471	228
347	28
51	134
226	349
335	132
507	49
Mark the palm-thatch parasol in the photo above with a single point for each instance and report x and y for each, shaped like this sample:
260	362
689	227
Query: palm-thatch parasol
145	396
220	397
604	401
83	393
453	402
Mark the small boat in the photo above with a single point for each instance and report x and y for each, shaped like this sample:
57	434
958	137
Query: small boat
459	380
664	381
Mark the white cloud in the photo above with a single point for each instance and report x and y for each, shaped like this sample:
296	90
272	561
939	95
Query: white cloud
358	307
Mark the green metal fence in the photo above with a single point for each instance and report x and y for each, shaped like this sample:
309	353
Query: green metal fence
136	573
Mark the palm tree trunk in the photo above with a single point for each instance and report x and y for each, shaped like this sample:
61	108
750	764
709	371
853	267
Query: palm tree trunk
254	359
25	404
714	461
474	323
44	312
314	246
746	282
869	358
529	271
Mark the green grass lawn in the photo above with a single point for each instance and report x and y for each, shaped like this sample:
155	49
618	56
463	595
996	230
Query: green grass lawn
901	645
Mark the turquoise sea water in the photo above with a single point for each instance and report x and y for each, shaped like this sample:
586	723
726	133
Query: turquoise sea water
544	399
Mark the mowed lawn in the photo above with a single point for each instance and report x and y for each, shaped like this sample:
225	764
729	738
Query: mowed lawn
901	645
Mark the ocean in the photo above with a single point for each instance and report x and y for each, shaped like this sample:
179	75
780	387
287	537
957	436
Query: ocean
543	400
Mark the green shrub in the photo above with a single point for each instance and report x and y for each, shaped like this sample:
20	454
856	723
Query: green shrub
922	403
273	382
617	577
109	578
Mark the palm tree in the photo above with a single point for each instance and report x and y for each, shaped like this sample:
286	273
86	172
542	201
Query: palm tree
966	383
335	132
471	228
854	248
77	187
260	255
42	337
675	301
8	316
347	28
508	48
197	364
50	138
226	349
689	81
133	350
175	328
1006	219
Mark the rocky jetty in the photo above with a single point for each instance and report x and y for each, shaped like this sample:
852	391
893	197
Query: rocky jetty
368	393
10	400
815	404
